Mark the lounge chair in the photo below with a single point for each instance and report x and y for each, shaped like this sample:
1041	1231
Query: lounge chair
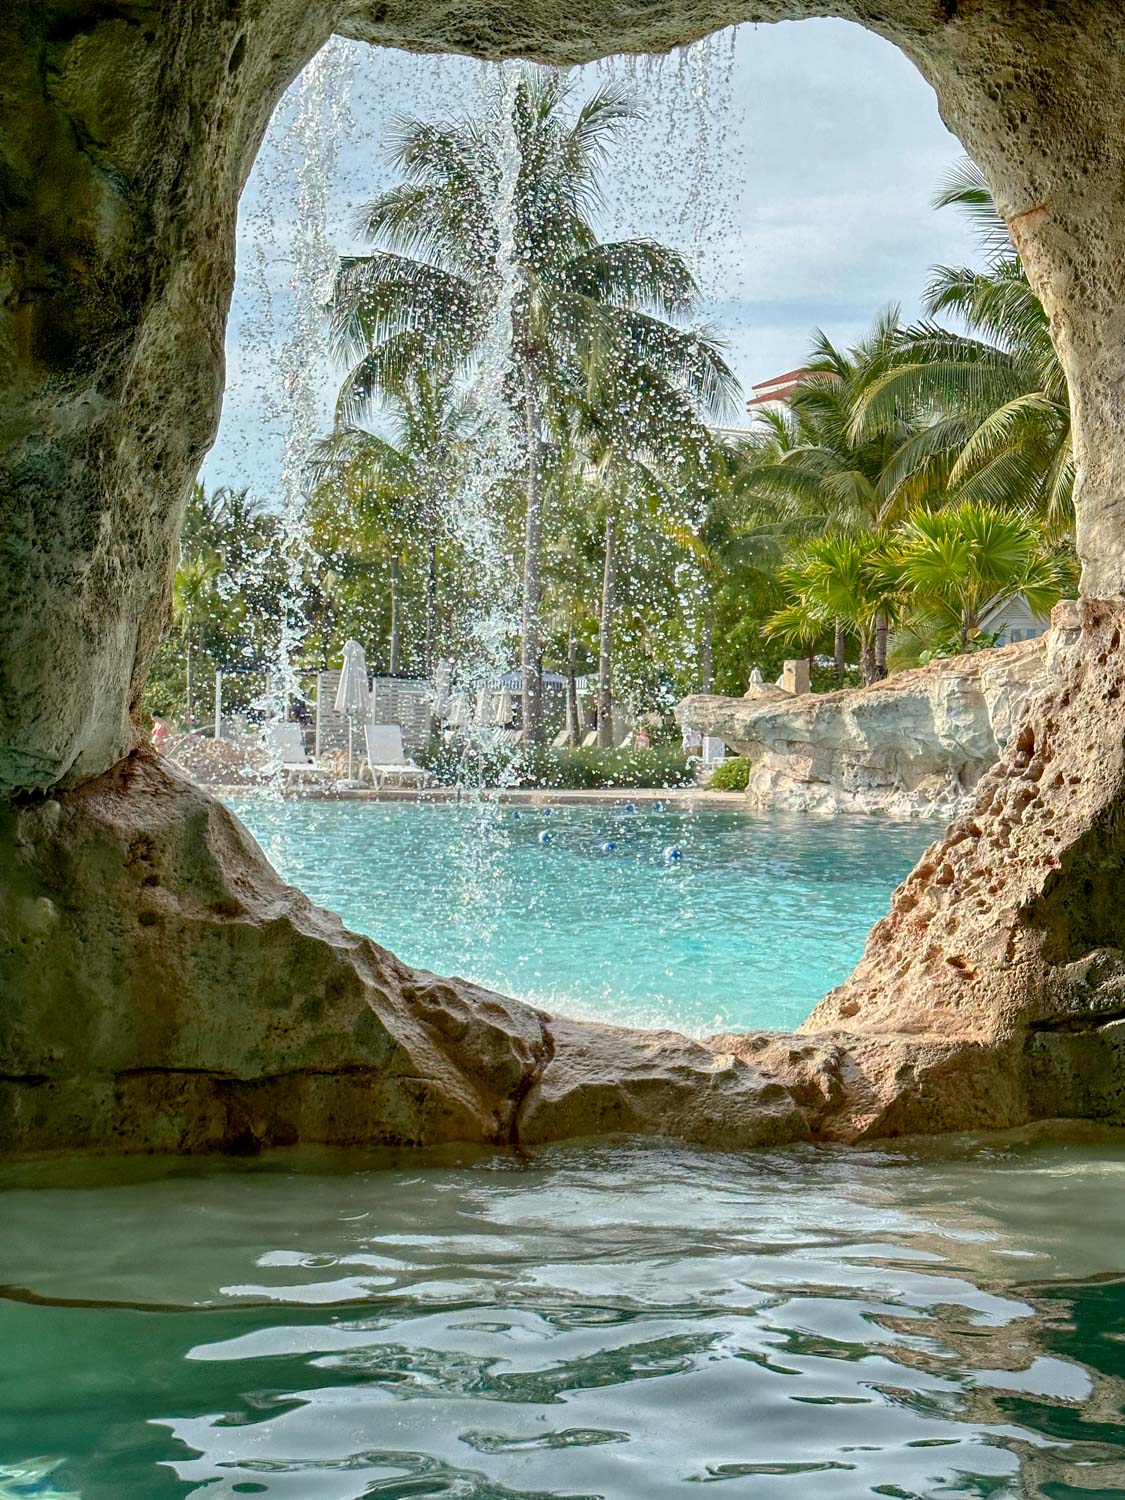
589	740
561	740
386	760
286	742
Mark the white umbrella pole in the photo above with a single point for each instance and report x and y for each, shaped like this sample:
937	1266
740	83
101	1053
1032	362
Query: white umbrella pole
350	772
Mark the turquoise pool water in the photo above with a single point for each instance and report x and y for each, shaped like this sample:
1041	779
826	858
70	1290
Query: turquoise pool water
760	918
597	1324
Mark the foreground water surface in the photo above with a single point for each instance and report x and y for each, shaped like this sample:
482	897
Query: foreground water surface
758	919
628	1323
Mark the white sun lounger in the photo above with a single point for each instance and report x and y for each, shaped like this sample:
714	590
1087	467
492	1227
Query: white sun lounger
286	742
386	760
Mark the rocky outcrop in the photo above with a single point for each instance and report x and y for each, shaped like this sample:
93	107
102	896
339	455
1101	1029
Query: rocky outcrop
1013	921
915	745
993	992
164	990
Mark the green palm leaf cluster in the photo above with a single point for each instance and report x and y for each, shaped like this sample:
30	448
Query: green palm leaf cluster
937	575
991	404
933	466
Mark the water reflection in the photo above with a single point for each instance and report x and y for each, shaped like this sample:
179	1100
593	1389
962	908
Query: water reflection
613	1322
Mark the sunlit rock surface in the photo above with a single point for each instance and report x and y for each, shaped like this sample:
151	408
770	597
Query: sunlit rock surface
993	992
165	990
915	745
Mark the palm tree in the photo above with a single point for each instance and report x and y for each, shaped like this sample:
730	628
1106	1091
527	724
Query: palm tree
713	521
826	471
384	493
958	564
423	295
844	581
996	398
571	567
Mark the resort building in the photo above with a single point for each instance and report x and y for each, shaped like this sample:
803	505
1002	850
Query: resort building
1014	620
777	391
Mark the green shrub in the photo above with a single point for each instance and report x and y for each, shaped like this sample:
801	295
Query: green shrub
459	764
732	776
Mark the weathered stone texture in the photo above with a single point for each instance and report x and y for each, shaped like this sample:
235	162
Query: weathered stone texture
1015	918
915	745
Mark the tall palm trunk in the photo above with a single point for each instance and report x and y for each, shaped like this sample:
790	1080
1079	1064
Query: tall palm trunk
431	610
187	679
532	574
838	653
867	658
573	723
882	625
396	614
707	645
605	637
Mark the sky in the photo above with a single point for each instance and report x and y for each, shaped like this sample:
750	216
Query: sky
794	165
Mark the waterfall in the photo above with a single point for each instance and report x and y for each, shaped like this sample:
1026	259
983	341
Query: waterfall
318	127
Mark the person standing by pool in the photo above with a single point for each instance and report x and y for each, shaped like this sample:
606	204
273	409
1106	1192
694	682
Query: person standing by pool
161	733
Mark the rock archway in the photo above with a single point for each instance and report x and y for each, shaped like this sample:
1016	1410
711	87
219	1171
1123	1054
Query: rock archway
158	985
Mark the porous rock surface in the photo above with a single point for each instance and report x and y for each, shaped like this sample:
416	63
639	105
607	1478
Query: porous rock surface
127	130
165	990
993	992
915	745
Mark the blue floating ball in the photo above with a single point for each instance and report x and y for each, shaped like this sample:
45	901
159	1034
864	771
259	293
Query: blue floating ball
630	807
658	807
516	814
673	854
608	846
547	811
544	837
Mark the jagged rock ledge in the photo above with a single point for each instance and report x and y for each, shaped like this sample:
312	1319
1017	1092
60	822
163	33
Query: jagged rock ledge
915	745
164	990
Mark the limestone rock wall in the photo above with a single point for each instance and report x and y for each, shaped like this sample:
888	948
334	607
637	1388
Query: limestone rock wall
915	745
1014	919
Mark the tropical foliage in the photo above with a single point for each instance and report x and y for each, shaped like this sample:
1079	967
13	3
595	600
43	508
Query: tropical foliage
914	482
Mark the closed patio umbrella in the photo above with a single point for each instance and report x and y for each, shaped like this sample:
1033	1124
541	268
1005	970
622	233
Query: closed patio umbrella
505	707
460	712
353	696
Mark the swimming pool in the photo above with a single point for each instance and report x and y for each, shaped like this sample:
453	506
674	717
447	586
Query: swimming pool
611	1323
760	917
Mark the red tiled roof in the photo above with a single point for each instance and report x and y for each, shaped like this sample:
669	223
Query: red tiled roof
777	389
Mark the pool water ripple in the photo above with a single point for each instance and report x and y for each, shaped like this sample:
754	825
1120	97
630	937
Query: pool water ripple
620	1322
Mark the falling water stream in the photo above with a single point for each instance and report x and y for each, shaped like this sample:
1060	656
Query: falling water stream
317	129
688	102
